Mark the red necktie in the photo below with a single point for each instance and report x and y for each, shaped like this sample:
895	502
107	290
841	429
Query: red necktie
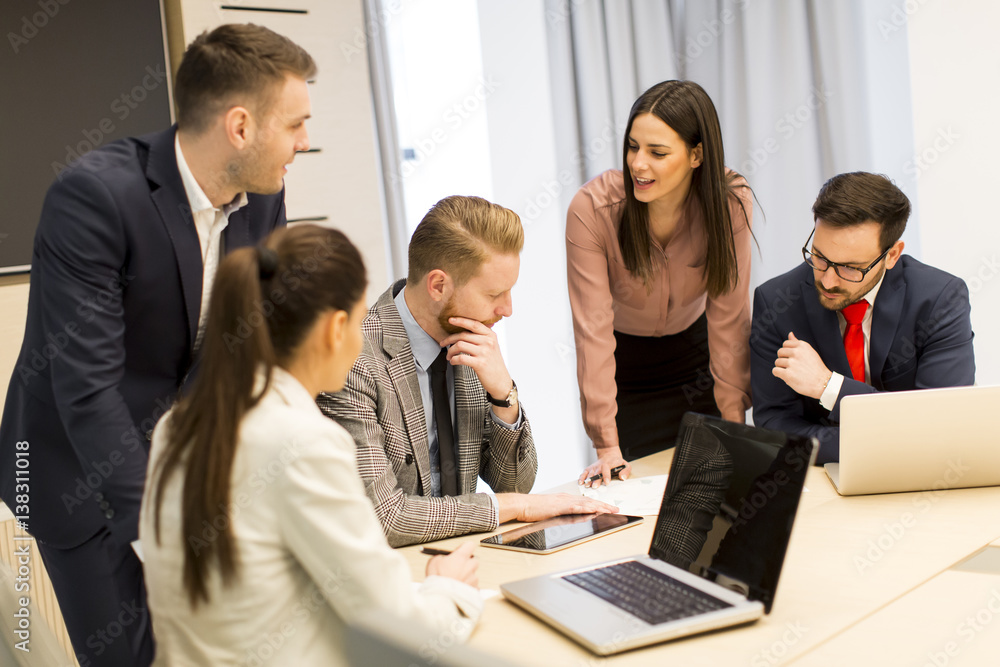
854	338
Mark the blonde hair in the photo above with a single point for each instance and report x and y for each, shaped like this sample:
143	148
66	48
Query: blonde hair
458	235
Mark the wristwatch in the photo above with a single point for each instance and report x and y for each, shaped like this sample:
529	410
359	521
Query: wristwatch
506	402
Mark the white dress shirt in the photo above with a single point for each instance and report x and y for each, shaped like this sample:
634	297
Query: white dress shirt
209	222
829	398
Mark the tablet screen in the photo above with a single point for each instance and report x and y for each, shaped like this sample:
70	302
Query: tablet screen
560	532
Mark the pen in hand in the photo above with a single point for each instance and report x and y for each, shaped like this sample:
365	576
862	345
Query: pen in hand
431	551
614	473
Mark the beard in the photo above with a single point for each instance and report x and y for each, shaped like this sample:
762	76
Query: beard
450	310
252	173
846	298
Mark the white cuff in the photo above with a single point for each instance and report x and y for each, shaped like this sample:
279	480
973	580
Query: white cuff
467	600
829	398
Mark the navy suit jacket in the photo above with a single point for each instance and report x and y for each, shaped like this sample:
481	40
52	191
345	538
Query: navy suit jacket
113	311
921	337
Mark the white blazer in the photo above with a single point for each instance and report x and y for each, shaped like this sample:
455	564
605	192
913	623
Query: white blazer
310	549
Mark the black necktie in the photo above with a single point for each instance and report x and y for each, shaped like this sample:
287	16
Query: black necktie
442	419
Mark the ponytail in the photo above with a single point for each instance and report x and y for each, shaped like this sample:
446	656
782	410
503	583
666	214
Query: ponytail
264	302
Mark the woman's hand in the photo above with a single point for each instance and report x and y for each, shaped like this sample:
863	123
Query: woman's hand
609	458
460	564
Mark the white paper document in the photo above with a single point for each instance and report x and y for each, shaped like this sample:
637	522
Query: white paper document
640	496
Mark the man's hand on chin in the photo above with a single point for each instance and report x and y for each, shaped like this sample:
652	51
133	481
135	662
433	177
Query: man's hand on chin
479	349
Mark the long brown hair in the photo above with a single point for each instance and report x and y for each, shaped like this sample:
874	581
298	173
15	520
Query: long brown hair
687	108
264	302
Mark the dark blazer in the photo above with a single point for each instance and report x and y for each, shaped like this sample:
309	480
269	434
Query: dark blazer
381	407
921	338
113	310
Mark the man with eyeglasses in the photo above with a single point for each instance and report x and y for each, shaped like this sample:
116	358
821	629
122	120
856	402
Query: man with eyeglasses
858	316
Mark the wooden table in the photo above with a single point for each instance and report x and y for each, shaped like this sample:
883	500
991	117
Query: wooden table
866	580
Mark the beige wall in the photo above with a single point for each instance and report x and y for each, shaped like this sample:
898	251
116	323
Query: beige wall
14	306
342	182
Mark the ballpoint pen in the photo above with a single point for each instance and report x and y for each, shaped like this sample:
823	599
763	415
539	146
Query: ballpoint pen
431	551
614	473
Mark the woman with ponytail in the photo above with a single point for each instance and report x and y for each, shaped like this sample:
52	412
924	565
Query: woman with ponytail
658	260
258	538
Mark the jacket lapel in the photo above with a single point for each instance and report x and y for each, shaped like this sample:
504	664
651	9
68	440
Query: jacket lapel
402	371
237	231
885	320
175	214
825	332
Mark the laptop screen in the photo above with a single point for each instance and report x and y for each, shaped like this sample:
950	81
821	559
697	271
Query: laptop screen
730	502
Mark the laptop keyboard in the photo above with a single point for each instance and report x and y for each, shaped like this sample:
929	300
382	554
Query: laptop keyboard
646	593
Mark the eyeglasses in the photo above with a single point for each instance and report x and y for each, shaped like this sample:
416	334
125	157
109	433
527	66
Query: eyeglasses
848	273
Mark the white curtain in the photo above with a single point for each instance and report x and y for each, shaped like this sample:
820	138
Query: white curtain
805	89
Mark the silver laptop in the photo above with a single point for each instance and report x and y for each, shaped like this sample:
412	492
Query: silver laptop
917	441
717	549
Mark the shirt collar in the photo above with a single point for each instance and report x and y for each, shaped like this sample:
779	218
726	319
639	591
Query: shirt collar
197	198
870	297
287	386
425	349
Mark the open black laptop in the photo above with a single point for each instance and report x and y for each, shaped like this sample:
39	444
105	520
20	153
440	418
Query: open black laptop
717	550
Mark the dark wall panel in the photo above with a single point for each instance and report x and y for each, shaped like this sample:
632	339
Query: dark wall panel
74	75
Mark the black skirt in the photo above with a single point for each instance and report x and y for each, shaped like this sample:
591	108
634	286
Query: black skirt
658	380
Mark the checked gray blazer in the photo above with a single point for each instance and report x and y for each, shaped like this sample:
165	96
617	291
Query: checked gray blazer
381	407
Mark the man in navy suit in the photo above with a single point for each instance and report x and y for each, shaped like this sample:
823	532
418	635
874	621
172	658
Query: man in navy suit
856	317
124	258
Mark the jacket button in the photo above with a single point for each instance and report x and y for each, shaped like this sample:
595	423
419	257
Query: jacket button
98	496
149	436
105	505
110	514
409	459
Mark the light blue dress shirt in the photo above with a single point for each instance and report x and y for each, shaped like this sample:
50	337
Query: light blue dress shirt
425	350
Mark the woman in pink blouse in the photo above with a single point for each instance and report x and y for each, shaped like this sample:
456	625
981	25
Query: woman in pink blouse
658	258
